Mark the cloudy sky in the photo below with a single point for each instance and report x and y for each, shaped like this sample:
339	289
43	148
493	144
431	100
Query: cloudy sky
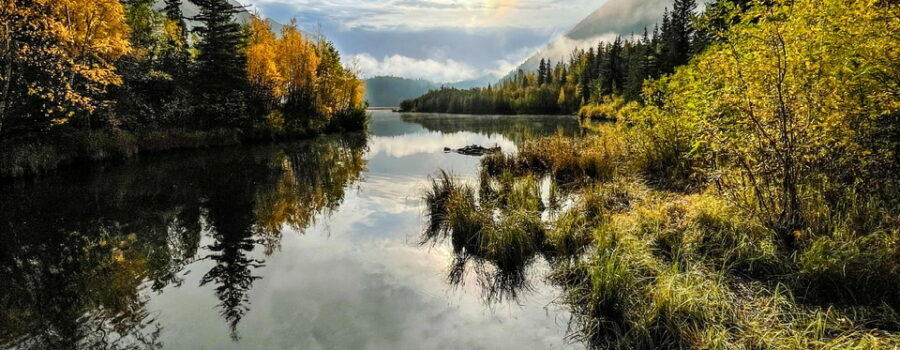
439	40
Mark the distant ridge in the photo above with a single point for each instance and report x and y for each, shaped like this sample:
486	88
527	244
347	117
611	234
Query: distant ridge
387	91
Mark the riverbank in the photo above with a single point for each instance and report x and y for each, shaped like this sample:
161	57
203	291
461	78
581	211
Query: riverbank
36	156
646	264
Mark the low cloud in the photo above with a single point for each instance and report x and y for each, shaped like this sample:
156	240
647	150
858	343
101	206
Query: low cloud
441	71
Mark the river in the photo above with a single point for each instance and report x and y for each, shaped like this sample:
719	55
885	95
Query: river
299	245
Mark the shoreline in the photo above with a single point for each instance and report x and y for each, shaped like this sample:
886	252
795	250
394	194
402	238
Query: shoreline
72	149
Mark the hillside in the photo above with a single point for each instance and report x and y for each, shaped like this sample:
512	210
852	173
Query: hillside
383	91
614	18
389	91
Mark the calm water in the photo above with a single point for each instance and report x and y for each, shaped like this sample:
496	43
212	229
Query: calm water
305	245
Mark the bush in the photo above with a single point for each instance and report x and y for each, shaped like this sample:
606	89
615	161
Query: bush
356	119
611	108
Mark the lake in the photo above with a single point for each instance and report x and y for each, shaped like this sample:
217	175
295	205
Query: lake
301	245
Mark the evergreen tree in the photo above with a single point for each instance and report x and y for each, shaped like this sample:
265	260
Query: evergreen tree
220	74
548	73
677	32
612	79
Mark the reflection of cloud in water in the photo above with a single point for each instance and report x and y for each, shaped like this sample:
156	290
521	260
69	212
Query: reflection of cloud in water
356	279
406	145
334	287
389	295
393	194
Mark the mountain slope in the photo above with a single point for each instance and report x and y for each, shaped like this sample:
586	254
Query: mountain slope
390	91
614	18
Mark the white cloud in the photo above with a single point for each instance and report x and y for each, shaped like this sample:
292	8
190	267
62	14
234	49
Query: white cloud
426	14
446	70
512	61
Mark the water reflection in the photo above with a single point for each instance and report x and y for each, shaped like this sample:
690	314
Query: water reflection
514	128
76	274
308	245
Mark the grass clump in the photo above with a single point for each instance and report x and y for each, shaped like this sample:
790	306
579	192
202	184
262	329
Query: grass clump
565	159
855	270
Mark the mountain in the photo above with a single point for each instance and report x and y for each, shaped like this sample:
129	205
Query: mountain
482	81
614	18
390	91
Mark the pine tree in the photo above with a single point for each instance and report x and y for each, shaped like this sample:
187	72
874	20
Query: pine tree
220	75
548	73
612	72
542	72
677	32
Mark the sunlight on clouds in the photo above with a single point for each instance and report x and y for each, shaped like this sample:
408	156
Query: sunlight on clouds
427	14
431	69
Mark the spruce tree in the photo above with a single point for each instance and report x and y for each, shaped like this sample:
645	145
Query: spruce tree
220	75
548	78
542	72
678	30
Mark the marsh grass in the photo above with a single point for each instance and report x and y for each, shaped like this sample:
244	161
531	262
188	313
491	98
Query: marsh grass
649	266
567	160
18	158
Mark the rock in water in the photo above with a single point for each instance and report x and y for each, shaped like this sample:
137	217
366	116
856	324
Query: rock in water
473	150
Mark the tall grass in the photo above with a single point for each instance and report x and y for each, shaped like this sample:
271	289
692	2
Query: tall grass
566	159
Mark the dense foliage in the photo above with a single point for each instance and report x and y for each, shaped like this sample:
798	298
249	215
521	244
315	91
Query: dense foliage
120	71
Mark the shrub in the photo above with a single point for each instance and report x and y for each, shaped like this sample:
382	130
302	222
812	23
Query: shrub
356	119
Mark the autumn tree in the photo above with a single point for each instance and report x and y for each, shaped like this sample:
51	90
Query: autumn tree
32	68
58	58
299	85
94	36
786	106
176	56
267	87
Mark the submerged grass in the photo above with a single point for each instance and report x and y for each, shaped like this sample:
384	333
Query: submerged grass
643	267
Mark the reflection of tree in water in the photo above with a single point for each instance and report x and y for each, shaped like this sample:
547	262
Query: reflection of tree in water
515	128
79	253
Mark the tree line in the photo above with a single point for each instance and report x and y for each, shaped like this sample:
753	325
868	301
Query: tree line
590	76
122	67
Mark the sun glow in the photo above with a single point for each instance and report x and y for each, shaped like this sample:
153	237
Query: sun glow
501	8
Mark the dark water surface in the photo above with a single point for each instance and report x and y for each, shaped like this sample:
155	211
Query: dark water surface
302	245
